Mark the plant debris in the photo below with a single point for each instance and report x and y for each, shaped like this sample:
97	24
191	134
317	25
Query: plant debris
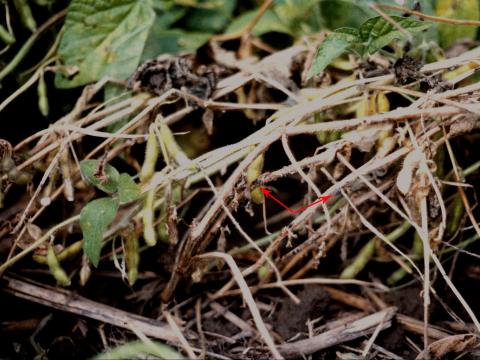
280	180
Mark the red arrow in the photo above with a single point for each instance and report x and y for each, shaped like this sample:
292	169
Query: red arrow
322	199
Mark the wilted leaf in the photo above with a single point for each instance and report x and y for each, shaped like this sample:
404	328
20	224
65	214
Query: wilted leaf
332	47
103	38
108	181
378	32
128	190
94	220
456	9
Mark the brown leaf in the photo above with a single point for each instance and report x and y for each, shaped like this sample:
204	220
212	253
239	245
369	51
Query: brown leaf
450	344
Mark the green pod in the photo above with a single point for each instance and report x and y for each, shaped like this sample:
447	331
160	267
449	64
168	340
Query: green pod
148	214
42	97
132	255
162	227
67	253
151	157
5	36
56	269
417	247
396	276
25	13
162	231
334	135
7	164
360	261
263	272
458	211
19	177
253	172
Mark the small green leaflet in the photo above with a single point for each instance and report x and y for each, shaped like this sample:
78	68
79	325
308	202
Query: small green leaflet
138	349
103	38
95	218
128	190
332	47
373	35
89	169
378	32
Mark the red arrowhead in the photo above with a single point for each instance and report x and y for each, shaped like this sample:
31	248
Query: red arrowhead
325	198
265	191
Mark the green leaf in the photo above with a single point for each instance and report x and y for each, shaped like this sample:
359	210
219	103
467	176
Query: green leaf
89	169
128	190
347	33
173	41
332	47
455	9
269	22
210	20
378	32
301	17
163	5
95	217
103	38
340	13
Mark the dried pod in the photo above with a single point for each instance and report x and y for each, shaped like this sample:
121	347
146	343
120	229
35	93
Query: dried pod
405	176
67	179
253	172
85	271
56	269
363	108
382	103
385	143
132	255
151	156
148	212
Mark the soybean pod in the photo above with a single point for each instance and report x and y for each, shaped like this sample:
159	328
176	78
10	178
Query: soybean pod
132	255
55	268
151	156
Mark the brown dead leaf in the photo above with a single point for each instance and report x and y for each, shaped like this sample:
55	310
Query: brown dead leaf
450	344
